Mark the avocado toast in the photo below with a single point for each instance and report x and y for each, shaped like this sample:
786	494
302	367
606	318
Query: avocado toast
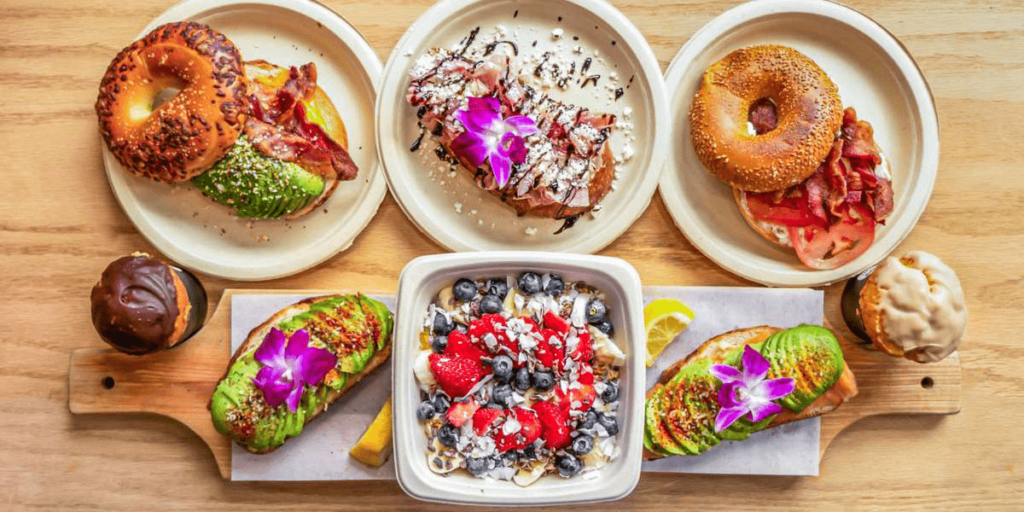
681	409
355	328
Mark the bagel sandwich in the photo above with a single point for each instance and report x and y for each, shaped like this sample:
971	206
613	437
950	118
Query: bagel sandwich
355	328
292	150
830	218
806	173
681	409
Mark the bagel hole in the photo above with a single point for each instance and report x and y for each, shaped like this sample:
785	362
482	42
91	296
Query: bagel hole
164	96
762	116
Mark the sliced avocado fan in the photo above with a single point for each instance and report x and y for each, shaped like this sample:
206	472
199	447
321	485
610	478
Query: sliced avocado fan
258	186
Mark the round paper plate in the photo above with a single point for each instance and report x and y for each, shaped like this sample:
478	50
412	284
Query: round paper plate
875	75
447	204
204	236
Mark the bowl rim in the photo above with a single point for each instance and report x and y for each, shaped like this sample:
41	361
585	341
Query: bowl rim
920	98
409	313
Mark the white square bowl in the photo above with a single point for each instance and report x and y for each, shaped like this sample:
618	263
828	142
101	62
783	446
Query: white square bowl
419	283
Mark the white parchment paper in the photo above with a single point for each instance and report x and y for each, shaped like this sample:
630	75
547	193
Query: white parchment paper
321	452
791	449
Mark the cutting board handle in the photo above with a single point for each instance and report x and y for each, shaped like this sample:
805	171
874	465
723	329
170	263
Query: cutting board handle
176	383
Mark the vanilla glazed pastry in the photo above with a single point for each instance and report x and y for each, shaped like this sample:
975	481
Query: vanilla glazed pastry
914	307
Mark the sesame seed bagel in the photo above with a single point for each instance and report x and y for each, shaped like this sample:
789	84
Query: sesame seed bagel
188	133
807	107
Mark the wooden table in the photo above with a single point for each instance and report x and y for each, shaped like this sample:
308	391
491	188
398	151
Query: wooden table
60	226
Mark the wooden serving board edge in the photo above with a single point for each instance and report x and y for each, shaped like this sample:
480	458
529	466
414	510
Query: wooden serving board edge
177	383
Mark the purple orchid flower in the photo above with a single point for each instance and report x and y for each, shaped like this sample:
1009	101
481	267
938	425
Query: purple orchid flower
289	363
748	392
488	136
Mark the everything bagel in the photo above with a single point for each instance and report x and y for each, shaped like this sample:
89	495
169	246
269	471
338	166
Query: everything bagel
791	104
188	133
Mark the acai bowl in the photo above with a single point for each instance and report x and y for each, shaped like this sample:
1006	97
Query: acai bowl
518	378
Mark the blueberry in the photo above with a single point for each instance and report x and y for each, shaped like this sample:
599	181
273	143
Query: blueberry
502	366
442	325
596	311
608	422
605	326
529	283
568	465
448	435
522	382
509	457
530	452
582	444
543	380
555	286
501	393
441	403
438	344
589	420
479	465
497	287
425	410
464	290
611	392
491	304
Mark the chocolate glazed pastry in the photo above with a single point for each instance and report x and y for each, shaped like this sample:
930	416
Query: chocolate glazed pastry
142	305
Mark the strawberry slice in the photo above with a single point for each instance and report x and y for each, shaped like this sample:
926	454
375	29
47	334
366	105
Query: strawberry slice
585	395
461	412
556	323
456	375
484	419
553	420
460	346
548	355
488	324
584	348
529	430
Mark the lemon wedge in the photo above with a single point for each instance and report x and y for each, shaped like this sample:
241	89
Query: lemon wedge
664	319
374	448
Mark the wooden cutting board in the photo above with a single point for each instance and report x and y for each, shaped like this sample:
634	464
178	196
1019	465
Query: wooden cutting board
178	383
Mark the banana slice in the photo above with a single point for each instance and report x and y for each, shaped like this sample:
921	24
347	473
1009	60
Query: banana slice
530	474
605	349
440	463
421	367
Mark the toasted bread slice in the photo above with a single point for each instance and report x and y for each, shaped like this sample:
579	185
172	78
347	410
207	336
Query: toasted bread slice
255	338
718	348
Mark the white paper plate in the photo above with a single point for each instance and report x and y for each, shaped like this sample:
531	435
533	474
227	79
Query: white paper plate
419	283
204	236
452	209
875	75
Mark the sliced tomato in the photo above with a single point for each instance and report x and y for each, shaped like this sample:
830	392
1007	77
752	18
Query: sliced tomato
791	211
828	248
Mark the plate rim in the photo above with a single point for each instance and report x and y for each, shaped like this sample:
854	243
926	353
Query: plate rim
648	65
921	99
324	249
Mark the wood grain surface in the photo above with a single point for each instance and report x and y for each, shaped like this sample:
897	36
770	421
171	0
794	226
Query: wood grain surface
60	226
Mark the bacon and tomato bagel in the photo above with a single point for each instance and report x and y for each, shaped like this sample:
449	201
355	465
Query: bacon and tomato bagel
806	174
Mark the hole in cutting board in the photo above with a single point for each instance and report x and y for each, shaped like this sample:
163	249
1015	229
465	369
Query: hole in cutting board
108	382
927	383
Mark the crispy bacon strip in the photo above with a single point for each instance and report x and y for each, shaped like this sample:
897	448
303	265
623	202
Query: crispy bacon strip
279	128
